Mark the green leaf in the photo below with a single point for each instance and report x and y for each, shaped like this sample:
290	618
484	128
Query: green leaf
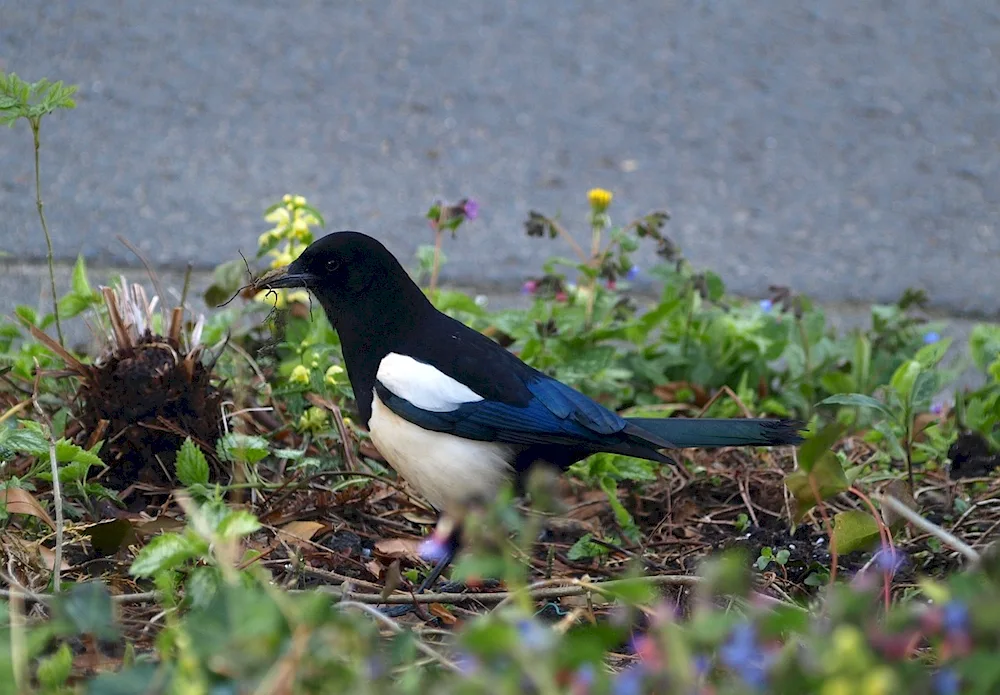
78	280
202	585
87	607
54	670
826	479
814	447
192	467
242	447
857	400
238	524
68	452
929	355
904	377
854	530
585	548
164	553
924	388
24	441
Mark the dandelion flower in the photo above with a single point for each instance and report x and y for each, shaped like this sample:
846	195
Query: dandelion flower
600	199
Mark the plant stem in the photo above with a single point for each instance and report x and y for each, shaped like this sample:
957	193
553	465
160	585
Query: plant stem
36	124
595	247
438	238
57	503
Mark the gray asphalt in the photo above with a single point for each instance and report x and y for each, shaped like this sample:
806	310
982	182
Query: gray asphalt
847	148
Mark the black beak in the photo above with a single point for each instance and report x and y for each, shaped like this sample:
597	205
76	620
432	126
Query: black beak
287	276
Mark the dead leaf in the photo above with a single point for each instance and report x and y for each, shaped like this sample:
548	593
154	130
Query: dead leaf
416	517
20	501
399	548
154	527
297	533
439	611
375	567
393	579
49	559
901	491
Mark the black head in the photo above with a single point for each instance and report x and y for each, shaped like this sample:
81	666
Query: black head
346	271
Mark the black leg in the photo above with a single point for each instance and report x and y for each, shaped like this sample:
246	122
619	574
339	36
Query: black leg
441	566
449	550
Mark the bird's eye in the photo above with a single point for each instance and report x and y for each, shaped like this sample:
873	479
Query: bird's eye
332	265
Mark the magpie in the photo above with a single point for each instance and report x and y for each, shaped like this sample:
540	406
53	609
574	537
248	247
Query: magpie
453	412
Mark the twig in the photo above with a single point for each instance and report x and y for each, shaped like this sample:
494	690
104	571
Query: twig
931	528
395	627
537	592
561	231
45	599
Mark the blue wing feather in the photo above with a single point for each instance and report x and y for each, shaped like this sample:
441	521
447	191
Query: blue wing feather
556	414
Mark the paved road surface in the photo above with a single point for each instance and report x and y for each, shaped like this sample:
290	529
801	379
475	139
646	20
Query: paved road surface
848	148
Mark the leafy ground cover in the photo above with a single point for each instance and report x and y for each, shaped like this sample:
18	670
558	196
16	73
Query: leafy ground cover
193	509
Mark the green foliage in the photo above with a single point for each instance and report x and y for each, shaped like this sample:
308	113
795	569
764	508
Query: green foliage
31	101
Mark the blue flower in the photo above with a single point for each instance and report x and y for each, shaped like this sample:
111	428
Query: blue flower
629	681
932	337
534	636
743	655
889	559
946	682
632	273
956	617
467	663
766	305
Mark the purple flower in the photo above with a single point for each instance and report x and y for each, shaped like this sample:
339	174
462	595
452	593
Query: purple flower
889	559
629	681
530	287
467	663
632	273
932	337
743	655
701	665
583	679
946	682
433	549
471	209
766	305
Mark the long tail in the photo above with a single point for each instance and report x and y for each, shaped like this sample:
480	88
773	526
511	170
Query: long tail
706	433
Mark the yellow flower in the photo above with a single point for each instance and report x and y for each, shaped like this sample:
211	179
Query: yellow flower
600	199
299	375
278	217
300	296
837	686
287	198
332	372
298	201
849	651
281	258
313	420
881	681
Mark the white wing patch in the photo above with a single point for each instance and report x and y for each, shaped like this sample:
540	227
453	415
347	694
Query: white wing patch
423	385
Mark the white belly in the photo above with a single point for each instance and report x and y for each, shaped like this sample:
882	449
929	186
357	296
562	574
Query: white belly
450	472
